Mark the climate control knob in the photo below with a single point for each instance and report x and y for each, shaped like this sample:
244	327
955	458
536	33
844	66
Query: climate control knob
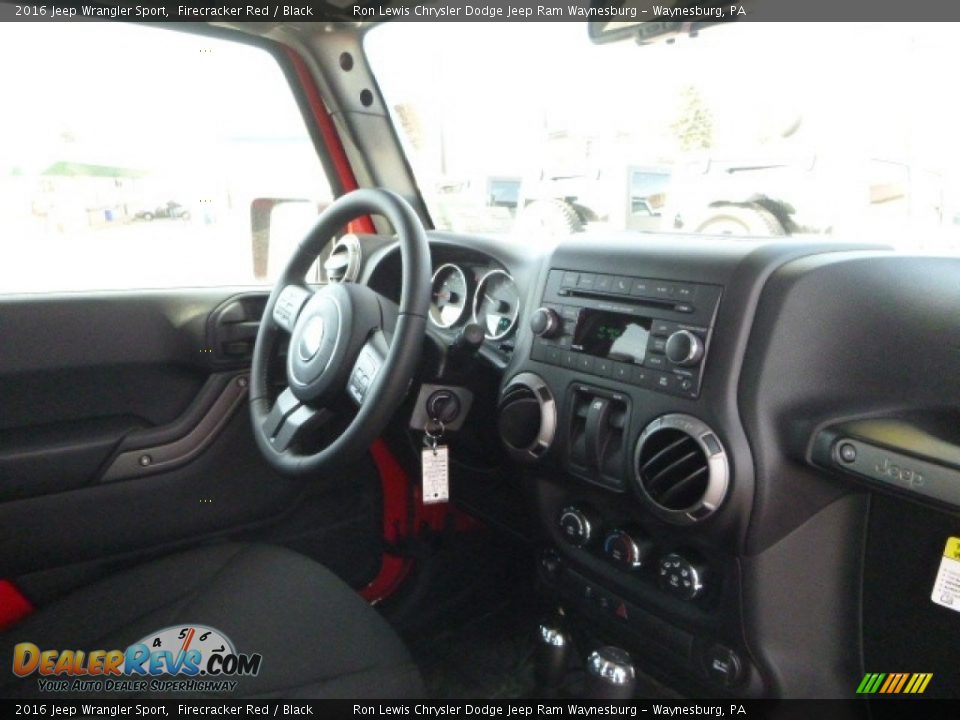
627	549
681	577
684	348
578	526
545	323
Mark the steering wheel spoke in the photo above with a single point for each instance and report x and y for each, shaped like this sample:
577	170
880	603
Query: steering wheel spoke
290	419
288	306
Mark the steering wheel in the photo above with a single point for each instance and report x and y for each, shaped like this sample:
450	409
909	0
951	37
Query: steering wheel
340	342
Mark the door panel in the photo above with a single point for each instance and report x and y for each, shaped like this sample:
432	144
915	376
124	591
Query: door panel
90	385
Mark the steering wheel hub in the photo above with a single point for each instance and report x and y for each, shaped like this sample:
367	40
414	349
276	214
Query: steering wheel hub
314	343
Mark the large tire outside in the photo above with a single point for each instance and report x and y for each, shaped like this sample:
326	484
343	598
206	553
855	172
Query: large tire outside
751	221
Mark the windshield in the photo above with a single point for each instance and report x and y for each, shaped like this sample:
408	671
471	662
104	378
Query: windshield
750	129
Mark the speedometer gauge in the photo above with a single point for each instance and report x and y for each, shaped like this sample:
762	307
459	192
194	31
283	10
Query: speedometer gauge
496	304
449	296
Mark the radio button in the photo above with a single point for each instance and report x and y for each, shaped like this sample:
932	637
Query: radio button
683	307
587	281
554	356
563	341
664	290
568	312
642	377
641	287
604	283
622	285
568	359
658	362
657	345
662	327
585	363
570	279
686	292
663	382
603	367
622	372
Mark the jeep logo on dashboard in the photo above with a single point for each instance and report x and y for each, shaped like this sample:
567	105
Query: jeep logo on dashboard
898	472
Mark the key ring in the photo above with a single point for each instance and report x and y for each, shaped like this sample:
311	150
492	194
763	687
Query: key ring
434	435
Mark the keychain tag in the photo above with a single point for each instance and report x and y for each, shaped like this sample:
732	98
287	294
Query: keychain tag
435	460
436	482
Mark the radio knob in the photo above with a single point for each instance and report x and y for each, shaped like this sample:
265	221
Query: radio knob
627	549
545	323
684	348
578	526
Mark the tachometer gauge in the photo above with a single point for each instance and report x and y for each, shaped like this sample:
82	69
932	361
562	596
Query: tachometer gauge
496	304
449	296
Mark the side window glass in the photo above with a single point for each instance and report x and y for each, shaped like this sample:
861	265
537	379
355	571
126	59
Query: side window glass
133	156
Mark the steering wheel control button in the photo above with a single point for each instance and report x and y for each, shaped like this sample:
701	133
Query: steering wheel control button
288	306
681	577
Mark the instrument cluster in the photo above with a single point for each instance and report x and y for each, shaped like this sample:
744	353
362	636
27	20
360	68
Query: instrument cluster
486	296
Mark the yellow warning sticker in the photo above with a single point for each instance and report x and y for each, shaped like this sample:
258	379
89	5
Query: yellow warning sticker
952	550
946	588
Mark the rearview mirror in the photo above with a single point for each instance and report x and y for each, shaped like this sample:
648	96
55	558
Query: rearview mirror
650	21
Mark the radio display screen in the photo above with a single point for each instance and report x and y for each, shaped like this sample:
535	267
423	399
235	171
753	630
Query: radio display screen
610	335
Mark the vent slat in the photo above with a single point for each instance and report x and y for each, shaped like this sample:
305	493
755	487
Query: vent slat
664	474
673	469
676	492
665	452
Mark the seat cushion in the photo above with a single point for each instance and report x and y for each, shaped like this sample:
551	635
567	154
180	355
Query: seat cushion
318	638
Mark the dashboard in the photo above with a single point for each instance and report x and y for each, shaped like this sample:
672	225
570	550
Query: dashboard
703	433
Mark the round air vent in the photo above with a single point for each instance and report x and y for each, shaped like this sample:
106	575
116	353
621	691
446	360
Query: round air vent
681	470
343	264
527	417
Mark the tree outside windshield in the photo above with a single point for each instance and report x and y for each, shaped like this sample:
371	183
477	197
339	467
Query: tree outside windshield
749	129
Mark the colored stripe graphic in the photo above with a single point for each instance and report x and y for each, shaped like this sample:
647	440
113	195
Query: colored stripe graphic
894	683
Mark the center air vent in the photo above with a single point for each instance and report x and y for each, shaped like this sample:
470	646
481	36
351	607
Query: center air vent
681	470
528	417
343	264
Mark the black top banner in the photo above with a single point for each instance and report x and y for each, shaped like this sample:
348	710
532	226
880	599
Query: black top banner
680	12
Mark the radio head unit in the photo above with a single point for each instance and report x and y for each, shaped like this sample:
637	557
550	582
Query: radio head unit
647	332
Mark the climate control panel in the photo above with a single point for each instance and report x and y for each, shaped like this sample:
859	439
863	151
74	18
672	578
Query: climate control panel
631	550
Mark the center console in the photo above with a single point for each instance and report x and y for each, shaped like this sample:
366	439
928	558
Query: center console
610	411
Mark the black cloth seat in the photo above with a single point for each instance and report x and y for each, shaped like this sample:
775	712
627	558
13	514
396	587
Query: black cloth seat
318	638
